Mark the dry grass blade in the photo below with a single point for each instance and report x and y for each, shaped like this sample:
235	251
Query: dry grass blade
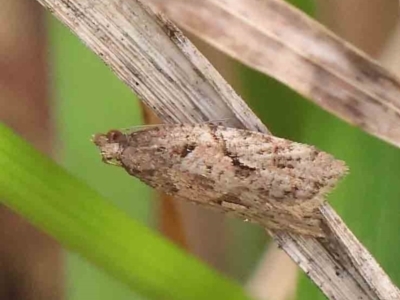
150	54
153	58
281	41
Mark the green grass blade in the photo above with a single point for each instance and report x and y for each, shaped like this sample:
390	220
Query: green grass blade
83	221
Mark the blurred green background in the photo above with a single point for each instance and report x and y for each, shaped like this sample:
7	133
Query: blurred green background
90	99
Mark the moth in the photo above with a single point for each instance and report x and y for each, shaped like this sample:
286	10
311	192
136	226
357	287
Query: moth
271	181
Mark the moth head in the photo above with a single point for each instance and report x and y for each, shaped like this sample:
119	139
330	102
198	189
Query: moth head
111	146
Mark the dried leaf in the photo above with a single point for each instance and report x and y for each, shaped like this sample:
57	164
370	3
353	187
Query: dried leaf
279	40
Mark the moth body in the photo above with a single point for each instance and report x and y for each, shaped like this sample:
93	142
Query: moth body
267	180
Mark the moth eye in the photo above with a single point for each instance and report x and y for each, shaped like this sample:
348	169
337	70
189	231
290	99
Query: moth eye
115	136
